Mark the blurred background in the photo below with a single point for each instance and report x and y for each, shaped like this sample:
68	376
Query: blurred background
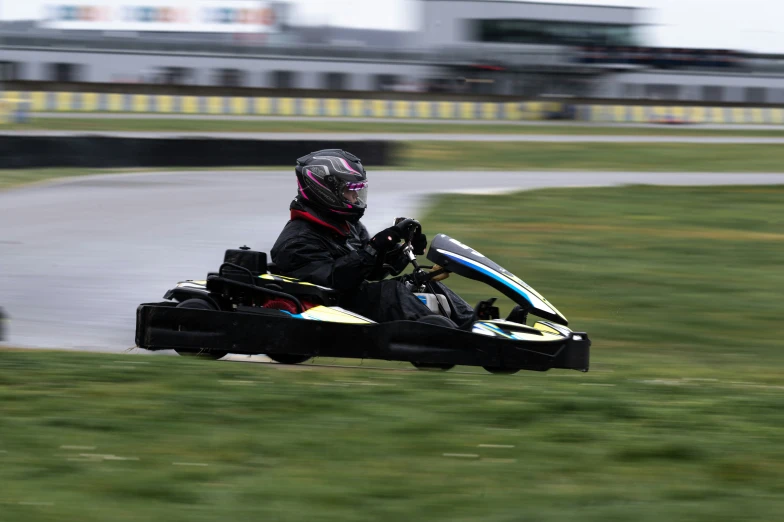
686	52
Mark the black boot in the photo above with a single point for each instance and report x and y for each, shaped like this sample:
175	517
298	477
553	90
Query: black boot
483	311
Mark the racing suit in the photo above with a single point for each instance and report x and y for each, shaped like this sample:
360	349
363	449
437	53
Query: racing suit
332	253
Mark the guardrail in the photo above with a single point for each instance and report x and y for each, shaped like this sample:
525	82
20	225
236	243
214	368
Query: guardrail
16	106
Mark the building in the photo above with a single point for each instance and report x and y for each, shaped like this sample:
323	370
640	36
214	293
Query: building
464	47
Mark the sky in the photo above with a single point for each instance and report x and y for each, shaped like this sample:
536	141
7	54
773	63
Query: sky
748	25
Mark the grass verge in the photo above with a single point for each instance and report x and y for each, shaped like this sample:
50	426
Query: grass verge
669	157
108	437
118	123
684	272
680	418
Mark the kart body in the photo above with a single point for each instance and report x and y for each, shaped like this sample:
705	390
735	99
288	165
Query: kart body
247	308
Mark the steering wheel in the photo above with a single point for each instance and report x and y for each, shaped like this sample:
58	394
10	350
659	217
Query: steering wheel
396	254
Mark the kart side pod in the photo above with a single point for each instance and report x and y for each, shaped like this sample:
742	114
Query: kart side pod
162	326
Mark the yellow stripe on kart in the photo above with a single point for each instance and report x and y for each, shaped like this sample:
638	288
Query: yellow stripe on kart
324	313
290	280
547	329
285	279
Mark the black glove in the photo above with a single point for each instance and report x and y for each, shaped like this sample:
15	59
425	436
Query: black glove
419	242
386	239
395	262
389	237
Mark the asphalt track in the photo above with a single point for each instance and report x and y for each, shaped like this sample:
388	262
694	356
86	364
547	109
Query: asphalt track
78	255
399	136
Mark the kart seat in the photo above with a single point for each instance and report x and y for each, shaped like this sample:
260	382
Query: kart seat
244	266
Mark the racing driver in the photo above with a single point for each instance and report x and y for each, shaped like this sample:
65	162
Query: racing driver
325	243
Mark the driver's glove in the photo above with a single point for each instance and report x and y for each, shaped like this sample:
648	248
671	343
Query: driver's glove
398	261
419	243
385	240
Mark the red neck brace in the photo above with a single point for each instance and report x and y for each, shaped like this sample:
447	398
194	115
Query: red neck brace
299	214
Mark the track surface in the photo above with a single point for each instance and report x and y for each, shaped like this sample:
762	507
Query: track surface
77	256
398	136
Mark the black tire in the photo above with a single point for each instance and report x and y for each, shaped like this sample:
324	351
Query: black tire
499	370
288	358
437	320
199	304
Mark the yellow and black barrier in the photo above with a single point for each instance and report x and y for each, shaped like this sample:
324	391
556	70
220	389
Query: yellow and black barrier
679	114
14	106
37	102
13	109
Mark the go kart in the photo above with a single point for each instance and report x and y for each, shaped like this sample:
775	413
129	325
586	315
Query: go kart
248	308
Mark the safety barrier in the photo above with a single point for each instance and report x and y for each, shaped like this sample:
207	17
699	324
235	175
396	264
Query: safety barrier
17	151
13	109
264	106
22	103
679	114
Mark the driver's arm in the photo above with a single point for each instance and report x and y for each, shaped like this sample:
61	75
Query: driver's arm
309	261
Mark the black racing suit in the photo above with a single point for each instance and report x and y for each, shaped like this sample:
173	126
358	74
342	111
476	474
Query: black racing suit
329	253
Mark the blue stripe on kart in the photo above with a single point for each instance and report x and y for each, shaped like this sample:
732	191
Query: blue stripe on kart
299	316
492	274
497	330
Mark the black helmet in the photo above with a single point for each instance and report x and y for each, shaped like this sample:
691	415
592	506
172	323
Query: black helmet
326	177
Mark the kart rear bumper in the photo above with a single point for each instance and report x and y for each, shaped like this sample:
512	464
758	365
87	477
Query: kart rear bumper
161	326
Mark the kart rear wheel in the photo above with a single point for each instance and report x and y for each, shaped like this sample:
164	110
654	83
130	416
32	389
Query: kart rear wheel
288	358
199	304
499	370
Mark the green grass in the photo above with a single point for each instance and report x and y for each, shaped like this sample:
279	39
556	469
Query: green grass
119	123
525	156
653	273
108	437
671	157
680	418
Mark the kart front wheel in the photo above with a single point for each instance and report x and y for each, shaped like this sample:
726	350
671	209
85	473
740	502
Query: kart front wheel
501	370
288	358
199	304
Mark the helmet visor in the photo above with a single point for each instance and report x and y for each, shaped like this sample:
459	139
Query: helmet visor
356	193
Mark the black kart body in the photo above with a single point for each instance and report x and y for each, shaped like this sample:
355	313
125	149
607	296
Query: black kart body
247	308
